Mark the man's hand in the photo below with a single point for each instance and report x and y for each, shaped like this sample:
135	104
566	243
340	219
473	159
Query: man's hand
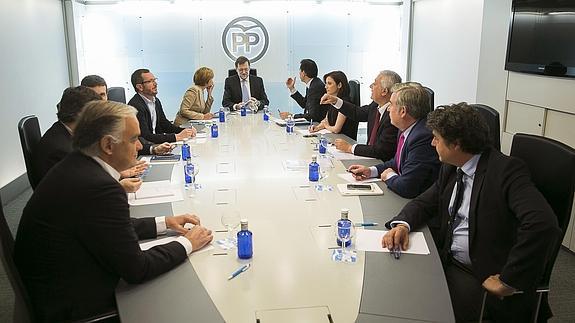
208	116
199	237
131	185
177	222
396	238
386	173
238	106
328	99
135	170
359	172
284	115
496	287
343	145
290	82
163	148
186	133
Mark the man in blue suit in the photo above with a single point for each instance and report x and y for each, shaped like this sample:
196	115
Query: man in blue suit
415	165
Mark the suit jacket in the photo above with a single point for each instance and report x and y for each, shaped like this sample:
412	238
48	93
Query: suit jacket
193	107
386	142
54	145
165	130
76	240
512	229
312	110
419	163
233	91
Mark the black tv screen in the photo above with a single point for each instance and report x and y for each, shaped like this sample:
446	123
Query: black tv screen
542	37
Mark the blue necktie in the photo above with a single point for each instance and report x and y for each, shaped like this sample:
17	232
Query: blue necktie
245	91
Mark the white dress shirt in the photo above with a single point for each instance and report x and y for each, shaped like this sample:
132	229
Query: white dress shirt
152	108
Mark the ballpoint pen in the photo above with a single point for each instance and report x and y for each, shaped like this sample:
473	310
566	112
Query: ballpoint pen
367	224
396	252
279	113
239	271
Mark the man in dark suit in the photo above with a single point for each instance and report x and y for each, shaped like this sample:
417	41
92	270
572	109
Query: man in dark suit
99	85
56	142
314	90
381	134
244	89
76	240
154	125
496	230
415	165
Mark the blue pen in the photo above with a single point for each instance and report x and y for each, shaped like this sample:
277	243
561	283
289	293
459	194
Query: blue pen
239	271
366	224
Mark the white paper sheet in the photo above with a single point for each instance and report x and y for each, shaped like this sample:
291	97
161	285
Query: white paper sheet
281	122
340	155
350	179
305	132
370	240
155	193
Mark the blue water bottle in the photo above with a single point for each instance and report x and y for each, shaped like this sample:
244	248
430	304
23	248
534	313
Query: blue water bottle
290	123
214	130
313	169
344	227
266	113
322	144
222	115
186	150
245	249
189	171
243	110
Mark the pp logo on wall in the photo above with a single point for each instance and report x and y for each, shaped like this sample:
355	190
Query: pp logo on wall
245	36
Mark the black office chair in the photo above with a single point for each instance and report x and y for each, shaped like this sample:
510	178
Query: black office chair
431	95
232	72
491	116
354	93
29	131
556	184
117	94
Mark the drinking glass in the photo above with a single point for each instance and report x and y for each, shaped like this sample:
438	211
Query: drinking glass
345	233
230	220
325	167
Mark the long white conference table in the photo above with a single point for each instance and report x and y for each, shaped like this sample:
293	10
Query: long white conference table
292	276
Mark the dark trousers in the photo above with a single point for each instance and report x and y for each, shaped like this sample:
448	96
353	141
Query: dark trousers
467	295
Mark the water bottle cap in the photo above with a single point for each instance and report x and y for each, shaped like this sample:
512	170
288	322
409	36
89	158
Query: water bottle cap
314	158
344	213
244	224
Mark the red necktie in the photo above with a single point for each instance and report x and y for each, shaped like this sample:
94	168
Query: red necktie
398	152
373	133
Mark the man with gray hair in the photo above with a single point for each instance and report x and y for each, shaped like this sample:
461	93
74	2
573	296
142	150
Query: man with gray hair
381	134
415	165
76	239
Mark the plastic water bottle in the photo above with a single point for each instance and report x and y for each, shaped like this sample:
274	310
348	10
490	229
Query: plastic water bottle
243	110
222	115
344	227
245	248
313	169
290	123
186	150
214	130
189	172
266	113
322	144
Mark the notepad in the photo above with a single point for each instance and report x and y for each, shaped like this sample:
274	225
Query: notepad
370	240
375	190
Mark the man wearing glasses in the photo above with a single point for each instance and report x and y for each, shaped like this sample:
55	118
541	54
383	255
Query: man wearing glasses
244	89
154	126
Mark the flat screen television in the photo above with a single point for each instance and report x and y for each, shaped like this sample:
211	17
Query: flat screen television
542	37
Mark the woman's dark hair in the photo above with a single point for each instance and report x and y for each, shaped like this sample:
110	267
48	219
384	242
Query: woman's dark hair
339	78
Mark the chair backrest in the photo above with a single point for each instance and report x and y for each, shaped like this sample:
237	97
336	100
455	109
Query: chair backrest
556	183
431	96
232	72
117	94
491	116
29	130
354	93
22	309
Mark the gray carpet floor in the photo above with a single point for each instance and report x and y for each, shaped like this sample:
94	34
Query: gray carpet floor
561	297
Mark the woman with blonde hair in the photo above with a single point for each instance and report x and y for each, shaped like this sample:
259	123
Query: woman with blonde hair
194	106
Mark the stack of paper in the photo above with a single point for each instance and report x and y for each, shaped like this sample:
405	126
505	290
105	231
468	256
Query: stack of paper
370	240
